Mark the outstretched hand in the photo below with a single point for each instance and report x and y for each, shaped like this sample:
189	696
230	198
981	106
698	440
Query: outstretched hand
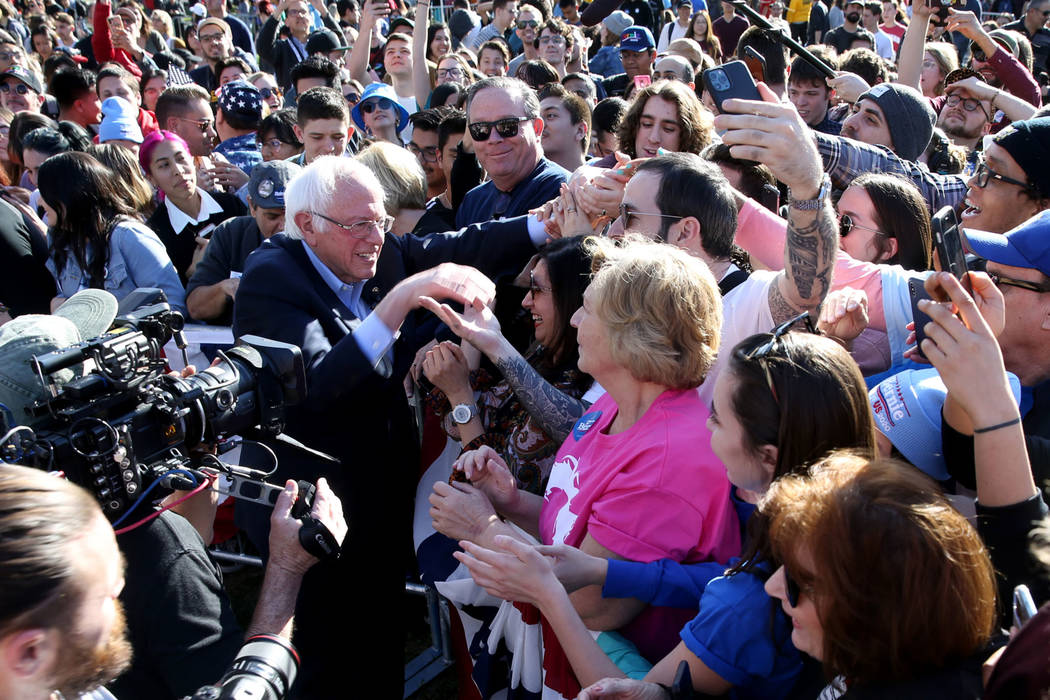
477	324
512	570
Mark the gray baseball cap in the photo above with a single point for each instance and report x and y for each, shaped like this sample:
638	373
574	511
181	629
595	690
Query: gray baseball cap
268	182
87	314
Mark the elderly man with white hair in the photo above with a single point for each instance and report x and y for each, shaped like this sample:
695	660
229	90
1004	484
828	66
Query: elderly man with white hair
340	286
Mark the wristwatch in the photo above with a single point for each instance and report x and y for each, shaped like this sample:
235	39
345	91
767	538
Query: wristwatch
814	204
463	413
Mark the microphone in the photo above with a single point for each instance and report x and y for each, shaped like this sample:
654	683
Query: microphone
598	10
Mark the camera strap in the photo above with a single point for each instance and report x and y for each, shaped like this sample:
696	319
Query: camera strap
317	539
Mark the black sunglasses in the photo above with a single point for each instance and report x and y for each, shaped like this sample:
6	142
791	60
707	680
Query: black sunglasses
267	92
506	128
20	88
762	351
847	224
791	588
531	23
352	98
382	103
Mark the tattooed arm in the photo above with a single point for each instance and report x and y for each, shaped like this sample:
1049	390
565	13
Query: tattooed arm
773	134
553	410
812	242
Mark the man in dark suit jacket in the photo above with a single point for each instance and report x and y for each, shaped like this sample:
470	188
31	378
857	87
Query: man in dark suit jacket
346	294
283	54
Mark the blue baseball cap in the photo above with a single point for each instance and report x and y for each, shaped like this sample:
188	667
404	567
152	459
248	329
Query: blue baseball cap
379	90
637	39
1027	245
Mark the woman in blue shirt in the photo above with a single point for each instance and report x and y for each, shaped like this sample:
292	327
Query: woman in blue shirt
96	239
783	402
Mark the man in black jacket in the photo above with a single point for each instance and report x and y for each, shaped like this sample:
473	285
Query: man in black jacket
283	54
210	292
344	290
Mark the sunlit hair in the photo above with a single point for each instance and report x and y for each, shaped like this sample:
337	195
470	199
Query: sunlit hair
947	59
902	583
662	309
314	188
400	174
695	121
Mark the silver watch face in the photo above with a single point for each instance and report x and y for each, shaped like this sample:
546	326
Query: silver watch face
461	414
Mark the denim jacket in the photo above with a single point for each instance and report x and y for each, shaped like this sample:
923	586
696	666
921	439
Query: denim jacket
137	258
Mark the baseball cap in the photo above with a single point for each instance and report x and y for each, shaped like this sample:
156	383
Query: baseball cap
636	38
1026	246
323	41
907	410
618	22
268	182
220	23
87	314
26	76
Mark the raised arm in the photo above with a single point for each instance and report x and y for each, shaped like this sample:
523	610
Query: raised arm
773	134
420	74
553	410
357	63
913	45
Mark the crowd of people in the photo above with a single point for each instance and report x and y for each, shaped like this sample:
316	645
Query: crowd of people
687	380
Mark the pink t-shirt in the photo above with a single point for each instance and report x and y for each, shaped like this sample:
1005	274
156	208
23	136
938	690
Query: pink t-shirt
653	491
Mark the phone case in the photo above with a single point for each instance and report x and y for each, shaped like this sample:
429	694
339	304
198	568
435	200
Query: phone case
730	81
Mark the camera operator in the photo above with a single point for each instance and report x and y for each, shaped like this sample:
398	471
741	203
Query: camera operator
179	617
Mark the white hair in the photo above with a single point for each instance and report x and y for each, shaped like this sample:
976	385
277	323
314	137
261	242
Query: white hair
314	188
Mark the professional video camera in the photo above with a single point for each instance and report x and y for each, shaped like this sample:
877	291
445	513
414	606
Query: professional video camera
125	423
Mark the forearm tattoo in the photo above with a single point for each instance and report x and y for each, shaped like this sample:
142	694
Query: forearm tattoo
554	411
809	260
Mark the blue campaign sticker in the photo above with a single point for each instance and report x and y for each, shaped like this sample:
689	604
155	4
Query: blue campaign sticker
584	424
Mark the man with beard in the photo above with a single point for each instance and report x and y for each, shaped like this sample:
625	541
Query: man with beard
891	115
841	38
965	116
61	625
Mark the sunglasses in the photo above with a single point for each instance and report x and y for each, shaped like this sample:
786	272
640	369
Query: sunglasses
792	589
534	288
847	224
506	128
20	88
268	92
352	98
1004	281
528	24
762	352
203	124
371	105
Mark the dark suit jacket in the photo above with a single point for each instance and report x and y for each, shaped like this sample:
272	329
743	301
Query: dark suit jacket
360	415
279	53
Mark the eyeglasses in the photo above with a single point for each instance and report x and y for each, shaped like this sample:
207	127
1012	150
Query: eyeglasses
382	103
352	98
528	24
847	224
204	125
977	53
20	88
969	104
984	174
9	55
449	72
300	12
268	92
1004	281
536	288
273	143
761	352
208	38
362	229
429	154
506	128
626	215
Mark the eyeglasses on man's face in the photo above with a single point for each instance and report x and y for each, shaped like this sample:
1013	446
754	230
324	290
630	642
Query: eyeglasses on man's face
1003	281
984	174
20	88
205	125
429	154
968	104
361	230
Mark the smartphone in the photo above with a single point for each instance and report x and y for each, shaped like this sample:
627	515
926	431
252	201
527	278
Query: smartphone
682	687
206	231
917	292
947	241
756	63
730	81
1024	606
392	5
942	9
115	22
642	81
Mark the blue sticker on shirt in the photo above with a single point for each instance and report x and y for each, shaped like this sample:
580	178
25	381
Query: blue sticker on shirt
584	424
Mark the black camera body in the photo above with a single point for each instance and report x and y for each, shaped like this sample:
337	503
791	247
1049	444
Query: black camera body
126	422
